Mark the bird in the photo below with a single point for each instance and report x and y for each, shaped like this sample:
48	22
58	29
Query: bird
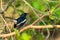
20	21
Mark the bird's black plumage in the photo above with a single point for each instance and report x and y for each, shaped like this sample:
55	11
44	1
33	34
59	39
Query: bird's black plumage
20	21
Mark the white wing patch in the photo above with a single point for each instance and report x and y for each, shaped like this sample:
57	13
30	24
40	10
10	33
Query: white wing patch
22	22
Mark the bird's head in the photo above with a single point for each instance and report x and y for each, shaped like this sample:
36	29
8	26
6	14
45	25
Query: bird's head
25	13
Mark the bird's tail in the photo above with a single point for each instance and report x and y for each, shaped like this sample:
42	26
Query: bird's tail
11	19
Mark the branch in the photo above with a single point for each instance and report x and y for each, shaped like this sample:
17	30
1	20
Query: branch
28	27
38	20
1	5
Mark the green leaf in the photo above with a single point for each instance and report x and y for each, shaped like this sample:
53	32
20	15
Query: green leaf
25	36
52	17
40	23
57	13
52	4
39	36
47	20
17	34
38	5
45	0
20	11
17	5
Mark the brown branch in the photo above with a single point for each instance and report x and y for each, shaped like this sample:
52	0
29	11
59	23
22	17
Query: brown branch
1	5
38	19
28	27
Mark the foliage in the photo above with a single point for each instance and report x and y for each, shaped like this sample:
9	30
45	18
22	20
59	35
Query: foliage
50	8
25	36
17	34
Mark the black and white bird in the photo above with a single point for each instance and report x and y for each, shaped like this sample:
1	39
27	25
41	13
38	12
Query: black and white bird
19	22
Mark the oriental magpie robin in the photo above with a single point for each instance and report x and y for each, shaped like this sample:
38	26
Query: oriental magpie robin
20	21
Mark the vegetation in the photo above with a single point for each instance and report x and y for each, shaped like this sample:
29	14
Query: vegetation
41	13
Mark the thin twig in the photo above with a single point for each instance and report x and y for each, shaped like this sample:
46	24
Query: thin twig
1	5
37	20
